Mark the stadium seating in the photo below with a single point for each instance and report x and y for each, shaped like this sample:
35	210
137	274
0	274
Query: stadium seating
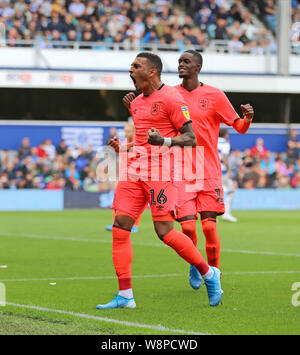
243	26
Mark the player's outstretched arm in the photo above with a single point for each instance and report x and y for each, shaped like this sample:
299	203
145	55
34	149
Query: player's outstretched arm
187	138
242	125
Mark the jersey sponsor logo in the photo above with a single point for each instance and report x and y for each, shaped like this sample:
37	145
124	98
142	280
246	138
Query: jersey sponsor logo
155	108
185	112
203	104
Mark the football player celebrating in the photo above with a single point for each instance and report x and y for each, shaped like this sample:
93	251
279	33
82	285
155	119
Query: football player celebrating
160	117
208	107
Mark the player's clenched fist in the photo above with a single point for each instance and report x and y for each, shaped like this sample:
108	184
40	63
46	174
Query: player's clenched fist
154	137
248	112
114	143
128	98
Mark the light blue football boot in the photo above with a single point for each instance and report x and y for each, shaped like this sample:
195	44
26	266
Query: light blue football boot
213	286
118	302
134	229
109	228
195	278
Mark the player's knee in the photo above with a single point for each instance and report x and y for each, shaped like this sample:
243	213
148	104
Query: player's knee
123	222
209	228
188	228
162	228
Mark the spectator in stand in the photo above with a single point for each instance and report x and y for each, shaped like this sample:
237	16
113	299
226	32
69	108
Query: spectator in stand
77	8
50	149
235	45
62	148
235	30
267	165
56	23
41	151
234	13
270	15
81	160
45	8
259	149
13	37
72	174
280	167
56	183
255	48
90	183
131	24
220	30
114	25
28	181
25	149
72	37
248	27
20	5
296	180
90	154
112	134
293	143
138	27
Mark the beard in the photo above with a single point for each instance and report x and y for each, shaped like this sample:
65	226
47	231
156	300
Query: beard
182	76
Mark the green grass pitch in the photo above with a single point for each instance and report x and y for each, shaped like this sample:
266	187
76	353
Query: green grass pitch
260	262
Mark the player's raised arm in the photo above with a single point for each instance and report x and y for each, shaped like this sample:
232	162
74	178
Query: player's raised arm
127	99
186	138
242	125
114	143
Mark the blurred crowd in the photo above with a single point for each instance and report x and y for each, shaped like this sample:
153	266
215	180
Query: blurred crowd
260	168
139	24
50	167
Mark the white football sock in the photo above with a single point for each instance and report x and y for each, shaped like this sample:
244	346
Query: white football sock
209	274
126	293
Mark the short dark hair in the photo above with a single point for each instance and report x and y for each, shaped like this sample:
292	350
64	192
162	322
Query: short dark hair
223	132
153	59
197	55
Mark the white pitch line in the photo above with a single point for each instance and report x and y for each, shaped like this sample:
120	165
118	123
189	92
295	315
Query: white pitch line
86	240
272	253
92	278
161	245
74	278
108	320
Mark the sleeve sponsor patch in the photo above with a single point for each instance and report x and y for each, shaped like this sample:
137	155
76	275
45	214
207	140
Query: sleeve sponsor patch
185	111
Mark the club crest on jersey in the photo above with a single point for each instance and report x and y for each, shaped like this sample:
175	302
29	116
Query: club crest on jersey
156	106
203	104
185	111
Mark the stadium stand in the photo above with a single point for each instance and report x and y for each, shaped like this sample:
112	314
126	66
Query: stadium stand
243	26
50	167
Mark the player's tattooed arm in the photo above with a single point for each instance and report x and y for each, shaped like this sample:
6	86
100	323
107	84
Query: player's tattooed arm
187	138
